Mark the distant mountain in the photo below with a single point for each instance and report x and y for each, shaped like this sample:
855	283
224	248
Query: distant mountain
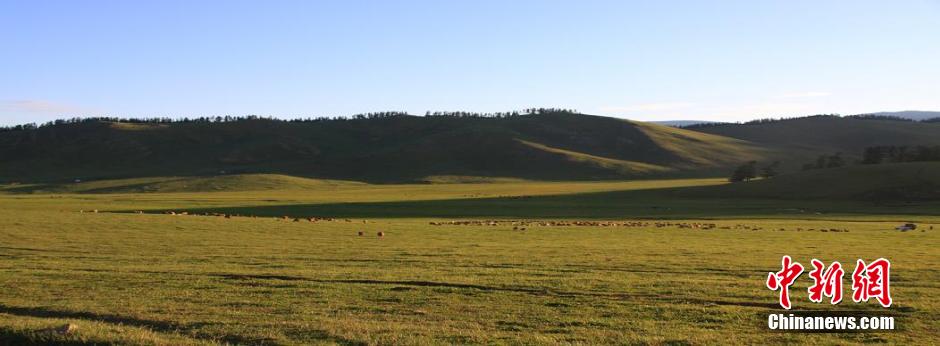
913	115
682	123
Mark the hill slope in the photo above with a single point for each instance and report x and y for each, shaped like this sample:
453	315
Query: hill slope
913	115
554	146
830	133
885	182
234	182
400	148
800	140
683	123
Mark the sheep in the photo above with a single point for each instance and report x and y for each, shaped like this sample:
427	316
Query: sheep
65	329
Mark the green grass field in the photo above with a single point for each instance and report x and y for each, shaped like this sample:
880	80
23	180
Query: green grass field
152	278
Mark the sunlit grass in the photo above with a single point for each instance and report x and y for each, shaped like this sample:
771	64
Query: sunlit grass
160	279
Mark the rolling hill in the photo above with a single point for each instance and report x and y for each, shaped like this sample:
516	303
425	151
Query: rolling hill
913	115
911	181
829	133
683	123
800	140
219	183
555	146
403	148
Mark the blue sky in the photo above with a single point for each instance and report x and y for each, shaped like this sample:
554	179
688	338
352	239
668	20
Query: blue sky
647	60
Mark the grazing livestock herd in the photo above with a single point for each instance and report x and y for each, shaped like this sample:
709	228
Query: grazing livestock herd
279	218
521	225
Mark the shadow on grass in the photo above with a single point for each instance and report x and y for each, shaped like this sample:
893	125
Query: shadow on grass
10	337
526	290
416	283
109	318
154	325
667	203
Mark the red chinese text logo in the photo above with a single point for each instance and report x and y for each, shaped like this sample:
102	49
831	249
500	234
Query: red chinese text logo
783	279
826	283
872	280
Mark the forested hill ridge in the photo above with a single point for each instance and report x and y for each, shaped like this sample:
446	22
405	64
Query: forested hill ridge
396	147
805	138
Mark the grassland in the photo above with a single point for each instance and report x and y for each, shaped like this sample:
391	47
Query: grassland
152	278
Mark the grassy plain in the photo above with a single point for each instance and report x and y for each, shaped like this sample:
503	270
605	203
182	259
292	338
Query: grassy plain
152	278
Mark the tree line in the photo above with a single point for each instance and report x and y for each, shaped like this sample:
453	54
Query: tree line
750	171
870	156
527	111
825	161
832	116
229	118
157	120
758	121
893	154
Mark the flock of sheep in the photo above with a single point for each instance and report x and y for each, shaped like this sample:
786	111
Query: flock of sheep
279	218
521	225
229	216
